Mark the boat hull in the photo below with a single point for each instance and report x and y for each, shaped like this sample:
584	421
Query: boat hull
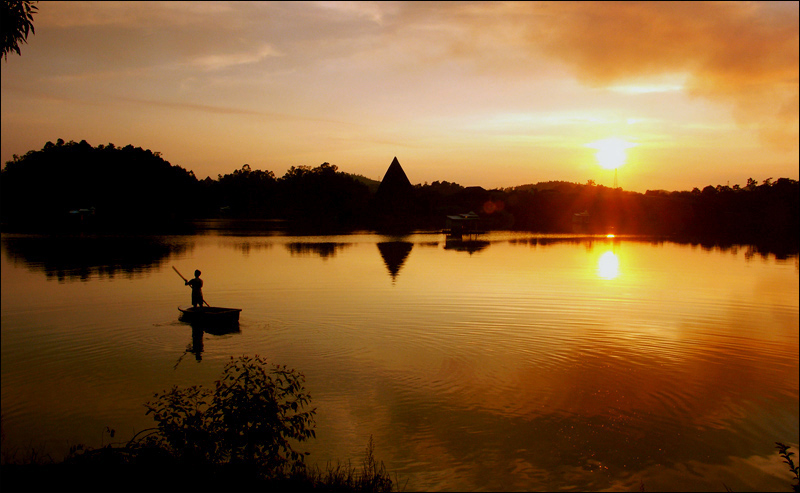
209	315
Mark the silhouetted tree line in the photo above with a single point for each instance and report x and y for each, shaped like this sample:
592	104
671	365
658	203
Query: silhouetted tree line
317	198
69	184
72	184
765	213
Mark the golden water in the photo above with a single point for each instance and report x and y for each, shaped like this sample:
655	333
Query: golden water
521	362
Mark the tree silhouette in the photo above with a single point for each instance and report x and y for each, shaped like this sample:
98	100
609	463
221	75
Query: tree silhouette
118	187
322	197
247	192
17	21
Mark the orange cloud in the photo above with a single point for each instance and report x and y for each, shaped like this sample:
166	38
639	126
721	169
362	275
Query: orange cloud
739	53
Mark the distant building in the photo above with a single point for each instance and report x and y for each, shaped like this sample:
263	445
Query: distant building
395	191
581	218
463	224
82	215
580	222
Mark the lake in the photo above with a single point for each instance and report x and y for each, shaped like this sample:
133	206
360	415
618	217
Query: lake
517	362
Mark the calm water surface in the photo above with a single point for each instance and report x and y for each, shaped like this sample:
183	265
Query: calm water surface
521	362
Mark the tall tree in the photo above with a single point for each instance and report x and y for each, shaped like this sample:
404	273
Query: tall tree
17	21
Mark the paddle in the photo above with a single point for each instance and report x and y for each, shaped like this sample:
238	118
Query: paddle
184	280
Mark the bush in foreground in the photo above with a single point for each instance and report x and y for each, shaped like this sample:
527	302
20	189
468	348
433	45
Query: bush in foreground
252	417
240	437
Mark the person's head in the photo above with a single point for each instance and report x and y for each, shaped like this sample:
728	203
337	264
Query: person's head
197	273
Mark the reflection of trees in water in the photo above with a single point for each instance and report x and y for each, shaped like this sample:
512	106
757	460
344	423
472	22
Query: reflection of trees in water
82	257
587	241
781	251
472	244
247	246
764	250
323	249
394	255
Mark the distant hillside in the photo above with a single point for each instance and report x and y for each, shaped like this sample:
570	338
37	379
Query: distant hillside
370	183
562	186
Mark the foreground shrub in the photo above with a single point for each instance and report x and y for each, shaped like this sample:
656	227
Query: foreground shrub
783	450
239	436
252	417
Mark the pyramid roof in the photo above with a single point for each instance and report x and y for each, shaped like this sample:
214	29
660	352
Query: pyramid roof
395	179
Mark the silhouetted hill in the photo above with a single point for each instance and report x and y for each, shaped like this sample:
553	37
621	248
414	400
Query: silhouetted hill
371	184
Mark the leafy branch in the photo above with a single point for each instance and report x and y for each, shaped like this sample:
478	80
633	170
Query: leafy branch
783	450
17	21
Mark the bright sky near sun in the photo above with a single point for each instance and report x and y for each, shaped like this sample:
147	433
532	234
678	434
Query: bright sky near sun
670	95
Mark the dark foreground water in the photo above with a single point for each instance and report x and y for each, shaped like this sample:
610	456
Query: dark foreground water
520	362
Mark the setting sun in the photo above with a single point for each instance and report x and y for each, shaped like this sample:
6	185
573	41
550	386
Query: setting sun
611	152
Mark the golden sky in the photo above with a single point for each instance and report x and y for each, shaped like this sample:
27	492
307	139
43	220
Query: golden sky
494	94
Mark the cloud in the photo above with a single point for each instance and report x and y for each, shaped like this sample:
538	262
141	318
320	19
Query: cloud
222	61
741	53
130	14
372	11
223	110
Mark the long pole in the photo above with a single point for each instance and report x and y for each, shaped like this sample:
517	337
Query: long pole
176	271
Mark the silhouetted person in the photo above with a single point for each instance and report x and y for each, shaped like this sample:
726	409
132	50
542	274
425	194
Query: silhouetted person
197	290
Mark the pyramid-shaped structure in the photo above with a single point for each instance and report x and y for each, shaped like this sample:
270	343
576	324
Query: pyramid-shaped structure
395	191
394	181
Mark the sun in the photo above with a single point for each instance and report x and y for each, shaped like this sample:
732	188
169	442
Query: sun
611	152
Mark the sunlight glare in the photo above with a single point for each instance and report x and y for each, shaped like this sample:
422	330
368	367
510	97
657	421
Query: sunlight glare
611	152
608	265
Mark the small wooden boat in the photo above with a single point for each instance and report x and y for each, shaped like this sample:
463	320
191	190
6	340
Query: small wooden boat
209	315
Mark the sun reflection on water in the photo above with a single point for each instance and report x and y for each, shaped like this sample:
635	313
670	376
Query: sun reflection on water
608	265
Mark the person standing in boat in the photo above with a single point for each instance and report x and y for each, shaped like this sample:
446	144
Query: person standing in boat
197	290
